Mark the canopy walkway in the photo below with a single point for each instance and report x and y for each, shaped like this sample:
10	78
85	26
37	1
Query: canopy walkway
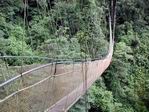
52	87
60	87
57	88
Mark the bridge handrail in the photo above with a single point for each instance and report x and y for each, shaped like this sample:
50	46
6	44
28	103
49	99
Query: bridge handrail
42	66
14	93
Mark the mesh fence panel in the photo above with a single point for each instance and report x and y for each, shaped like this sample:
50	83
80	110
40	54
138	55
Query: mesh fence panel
45	85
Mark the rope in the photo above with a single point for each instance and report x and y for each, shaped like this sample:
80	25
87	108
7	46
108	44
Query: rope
112	8
14	93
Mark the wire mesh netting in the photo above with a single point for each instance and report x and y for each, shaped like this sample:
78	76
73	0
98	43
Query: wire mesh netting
44	86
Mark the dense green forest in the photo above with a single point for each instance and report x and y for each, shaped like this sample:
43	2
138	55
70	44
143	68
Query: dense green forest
125	85
63	29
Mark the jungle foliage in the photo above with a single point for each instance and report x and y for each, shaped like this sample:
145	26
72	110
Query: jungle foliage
65	29
124	86
52	28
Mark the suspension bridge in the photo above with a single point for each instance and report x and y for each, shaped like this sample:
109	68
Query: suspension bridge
52	87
